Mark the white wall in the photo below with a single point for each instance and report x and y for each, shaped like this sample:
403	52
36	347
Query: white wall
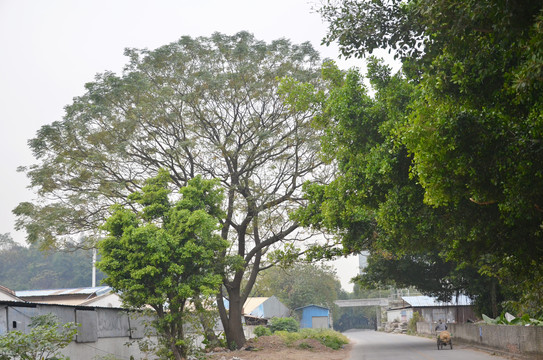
401	315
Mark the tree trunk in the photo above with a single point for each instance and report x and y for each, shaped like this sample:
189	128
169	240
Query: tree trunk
231	319
177	353
494	297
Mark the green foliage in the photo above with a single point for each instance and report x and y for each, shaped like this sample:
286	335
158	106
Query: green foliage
328	338
45	340
299	285
262	331
412	324
507	319
439	173
24	268
204	106
287	324
332	340
165	253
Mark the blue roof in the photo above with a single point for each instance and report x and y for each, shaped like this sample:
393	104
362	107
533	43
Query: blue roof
311	305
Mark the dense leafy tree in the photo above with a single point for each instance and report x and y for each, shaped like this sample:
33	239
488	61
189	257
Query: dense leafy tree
163	254
375	202
25	268
204	106
474	126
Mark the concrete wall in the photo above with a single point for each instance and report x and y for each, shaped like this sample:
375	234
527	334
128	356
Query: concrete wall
524	340
102	331
452	314
400	315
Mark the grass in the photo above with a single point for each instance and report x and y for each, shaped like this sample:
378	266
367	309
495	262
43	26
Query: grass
328	338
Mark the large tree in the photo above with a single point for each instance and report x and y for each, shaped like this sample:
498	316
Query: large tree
474	126
205	106
376	203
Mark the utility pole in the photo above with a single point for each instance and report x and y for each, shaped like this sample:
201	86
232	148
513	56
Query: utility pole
93	267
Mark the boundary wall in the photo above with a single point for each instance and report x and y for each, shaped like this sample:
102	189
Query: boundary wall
102	332
516	340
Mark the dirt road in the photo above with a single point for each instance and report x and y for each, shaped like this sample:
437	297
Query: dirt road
272	347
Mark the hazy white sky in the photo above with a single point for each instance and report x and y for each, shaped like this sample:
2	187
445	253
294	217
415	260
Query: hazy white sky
50	49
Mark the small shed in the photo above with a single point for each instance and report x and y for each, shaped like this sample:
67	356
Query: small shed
458	310
314	316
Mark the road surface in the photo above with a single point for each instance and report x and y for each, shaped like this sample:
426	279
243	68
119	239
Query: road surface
373	345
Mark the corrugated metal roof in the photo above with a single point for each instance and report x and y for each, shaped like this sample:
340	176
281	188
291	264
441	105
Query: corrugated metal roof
8	294
252	303
427	301
311	305
98	290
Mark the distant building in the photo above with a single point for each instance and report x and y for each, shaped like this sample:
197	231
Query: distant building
258	310
101	296
314	316
458	310
265	307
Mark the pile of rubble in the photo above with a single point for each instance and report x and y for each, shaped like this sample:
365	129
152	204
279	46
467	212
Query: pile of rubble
396	327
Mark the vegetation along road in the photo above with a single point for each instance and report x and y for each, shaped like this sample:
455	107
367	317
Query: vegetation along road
370	345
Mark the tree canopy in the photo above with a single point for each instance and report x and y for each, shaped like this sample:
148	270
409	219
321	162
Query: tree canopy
164	254
447	156
198	106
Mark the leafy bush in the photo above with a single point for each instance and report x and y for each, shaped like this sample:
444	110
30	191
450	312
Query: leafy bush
508	319
47	336
328	338
262	331
289	337
331	339
412	325
284	324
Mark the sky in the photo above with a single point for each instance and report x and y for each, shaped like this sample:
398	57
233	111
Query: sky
50	49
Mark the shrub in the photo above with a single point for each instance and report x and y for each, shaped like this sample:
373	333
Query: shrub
46	337
332	339
284	324
328	338
262	331
412	324
289	337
